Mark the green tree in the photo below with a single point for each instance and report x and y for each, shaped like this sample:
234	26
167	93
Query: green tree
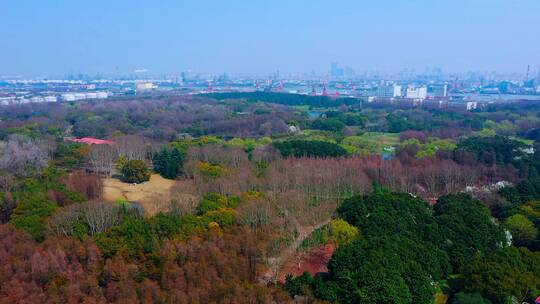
522	228
328	124
38	198
466	227
395	260
504	273
168	163
135	171
496	149
469	298
316	148
300	285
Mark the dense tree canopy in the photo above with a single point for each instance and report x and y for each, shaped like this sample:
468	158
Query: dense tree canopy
491	150
469	298
404	247
393	261
503	273
328	124
467	227
300	148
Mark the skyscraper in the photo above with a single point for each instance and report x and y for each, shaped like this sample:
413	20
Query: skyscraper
335	70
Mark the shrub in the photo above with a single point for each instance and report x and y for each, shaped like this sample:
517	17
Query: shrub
211	170
135	171
215	201
341	232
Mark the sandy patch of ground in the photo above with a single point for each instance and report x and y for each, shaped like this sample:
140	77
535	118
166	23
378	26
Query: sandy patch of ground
154	195
313	261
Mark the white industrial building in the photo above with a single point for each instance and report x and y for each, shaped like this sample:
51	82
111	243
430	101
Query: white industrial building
90	95
83	96
144	86
389	91
79	96
50	99
416	92
68	97
102	95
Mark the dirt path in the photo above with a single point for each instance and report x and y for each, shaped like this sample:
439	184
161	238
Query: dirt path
276	263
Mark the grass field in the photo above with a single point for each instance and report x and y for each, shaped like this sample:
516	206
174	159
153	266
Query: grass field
376	142
388	139
523	140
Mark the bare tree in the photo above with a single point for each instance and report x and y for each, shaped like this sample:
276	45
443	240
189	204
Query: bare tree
135	147
256	214
97	216
101	216
63	223
90	185
21	156
6	181
101	159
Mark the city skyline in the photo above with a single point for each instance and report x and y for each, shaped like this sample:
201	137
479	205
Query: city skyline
62	37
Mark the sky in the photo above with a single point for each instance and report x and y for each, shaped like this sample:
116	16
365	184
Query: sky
55	37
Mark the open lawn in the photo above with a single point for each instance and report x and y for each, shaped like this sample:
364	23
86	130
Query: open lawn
373	142
384	139
154	196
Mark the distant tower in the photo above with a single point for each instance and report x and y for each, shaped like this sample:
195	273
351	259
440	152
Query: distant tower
528	71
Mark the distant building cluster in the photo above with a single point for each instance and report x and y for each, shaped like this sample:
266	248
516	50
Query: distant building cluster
411	91
53	98
142	87
83	96
432	87
430	95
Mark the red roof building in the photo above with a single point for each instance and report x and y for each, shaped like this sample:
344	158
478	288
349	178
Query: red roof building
91	141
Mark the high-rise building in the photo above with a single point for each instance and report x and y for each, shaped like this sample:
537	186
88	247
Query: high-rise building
388	91
335	70
416	92
398	91
385	91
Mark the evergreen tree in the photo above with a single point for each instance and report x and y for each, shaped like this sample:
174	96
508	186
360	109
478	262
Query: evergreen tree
168	163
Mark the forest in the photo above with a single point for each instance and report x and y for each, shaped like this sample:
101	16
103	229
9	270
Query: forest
268	198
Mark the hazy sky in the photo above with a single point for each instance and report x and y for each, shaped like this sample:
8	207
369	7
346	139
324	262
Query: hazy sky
53	37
